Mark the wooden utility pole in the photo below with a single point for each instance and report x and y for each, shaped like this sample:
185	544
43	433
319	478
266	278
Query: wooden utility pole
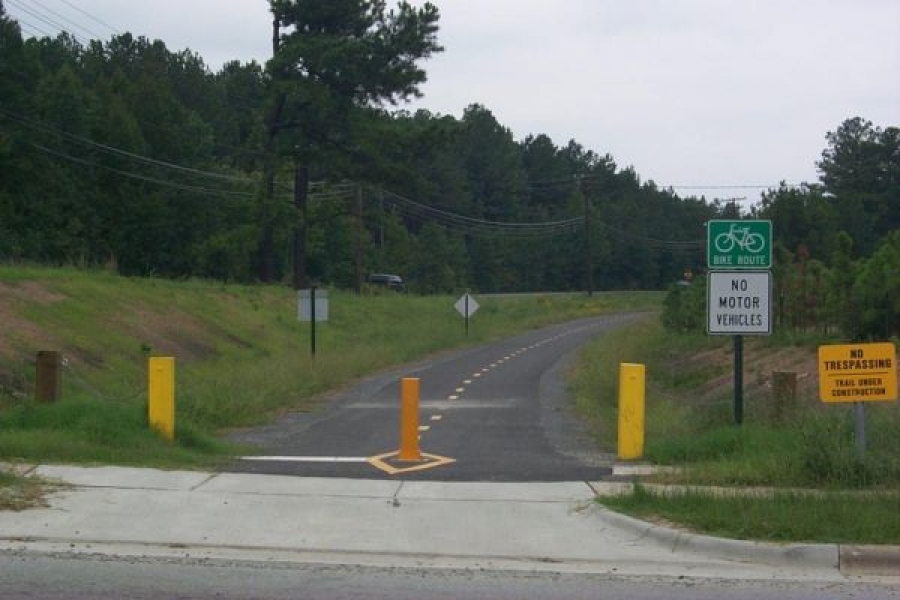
267	219
588	241
359	238
301	196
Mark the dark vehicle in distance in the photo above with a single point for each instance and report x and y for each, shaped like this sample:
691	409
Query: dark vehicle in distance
394	282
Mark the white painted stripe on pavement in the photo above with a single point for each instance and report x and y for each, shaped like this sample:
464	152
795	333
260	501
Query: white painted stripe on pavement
309	459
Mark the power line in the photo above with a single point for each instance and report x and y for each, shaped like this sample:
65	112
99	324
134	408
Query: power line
733	187
44	19
43	127
575	179
64	18
32	30
423	213
140	177
90	16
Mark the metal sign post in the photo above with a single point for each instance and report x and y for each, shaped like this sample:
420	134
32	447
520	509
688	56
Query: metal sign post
739	298
312	306
858	373
466	306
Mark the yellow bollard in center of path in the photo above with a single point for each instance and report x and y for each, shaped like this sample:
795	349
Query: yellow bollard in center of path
409	420
631	411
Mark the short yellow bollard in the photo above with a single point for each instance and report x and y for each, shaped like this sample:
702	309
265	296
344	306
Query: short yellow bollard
409	420
161	396
631	411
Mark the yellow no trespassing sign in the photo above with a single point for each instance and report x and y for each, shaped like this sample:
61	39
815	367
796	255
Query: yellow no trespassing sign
857	372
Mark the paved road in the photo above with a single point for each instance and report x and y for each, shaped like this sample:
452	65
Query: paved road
53	577
499	412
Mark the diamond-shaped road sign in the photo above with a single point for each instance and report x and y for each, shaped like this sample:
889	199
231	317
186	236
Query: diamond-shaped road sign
466	305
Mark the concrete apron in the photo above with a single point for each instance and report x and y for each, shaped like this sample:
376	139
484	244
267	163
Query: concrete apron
532	526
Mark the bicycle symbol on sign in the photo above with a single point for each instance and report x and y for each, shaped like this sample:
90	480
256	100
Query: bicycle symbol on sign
741	237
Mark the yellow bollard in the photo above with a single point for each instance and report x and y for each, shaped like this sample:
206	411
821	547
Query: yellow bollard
409	420
631	411
161	396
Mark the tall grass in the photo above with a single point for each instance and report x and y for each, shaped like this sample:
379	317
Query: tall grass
813	446
783	517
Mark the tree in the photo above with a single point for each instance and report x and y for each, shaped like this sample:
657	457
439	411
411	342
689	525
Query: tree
860	169
803	216
877	289
331	60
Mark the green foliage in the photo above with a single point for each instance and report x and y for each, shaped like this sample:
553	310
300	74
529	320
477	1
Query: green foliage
684	309
861	169
782	517
83	429
877	292
829	456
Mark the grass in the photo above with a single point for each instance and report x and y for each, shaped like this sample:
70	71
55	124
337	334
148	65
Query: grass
241	355
784	517
18	492
690	426
87	430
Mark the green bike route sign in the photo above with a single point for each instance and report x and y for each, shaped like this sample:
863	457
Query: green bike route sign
739	244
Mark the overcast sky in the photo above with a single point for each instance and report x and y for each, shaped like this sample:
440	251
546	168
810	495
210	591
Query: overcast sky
688	92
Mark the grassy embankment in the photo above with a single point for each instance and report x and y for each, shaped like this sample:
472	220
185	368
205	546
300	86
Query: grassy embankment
242	356
789	447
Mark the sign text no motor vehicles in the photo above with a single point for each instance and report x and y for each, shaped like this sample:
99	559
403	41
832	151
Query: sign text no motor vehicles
738	302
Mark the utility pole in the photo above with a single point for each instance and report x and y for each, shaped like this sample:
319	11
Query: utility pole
588	241
267	239
359	238
381	218
301	196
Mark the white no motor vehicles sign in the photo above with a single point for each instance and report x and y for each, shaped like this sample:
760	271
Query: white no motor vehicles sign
738	303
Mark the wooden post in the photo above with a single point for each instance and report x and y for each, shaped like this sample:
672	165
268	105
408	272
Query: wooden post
784	394
48	377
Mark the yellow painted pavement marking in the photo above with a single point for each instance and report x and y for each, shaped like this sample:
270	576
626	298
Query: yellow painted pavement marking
429	461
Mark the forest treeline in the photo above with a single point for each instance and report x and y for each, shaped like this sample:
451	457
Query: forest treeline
126	154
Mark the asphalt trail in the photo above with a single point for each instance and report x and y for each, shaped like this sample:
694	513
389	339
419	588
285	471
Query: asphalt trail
499	412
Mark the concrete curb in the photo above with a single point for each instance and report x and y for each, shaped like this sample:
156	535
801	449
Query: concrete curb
878	560
870	560
817	556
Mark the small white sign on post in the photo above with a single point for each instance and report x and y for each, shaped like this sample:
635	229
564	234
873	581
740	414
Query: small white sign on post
305	300
738	303
466	305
